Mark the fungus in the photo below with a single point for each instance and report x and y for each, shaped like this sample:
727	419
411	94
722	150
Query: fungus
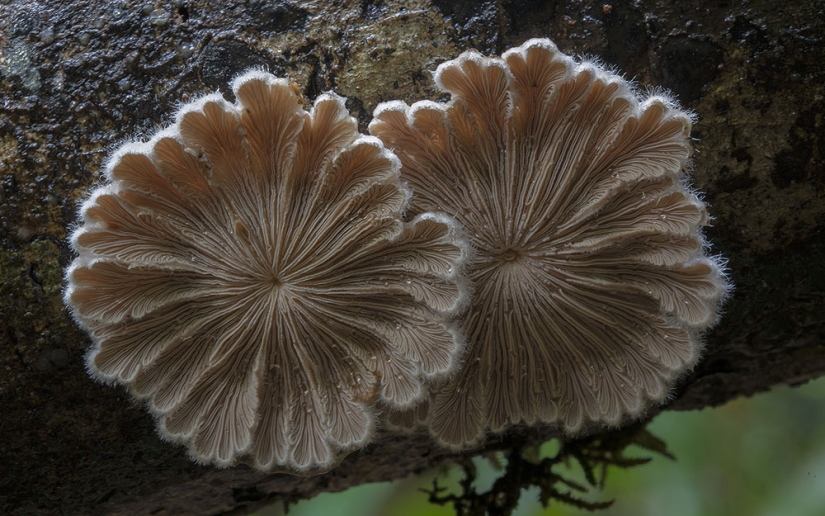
592	282
248	273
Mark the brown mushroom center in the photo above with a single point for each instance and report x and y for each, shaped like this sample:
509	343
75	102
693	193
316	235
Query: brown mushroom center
510	255
275	285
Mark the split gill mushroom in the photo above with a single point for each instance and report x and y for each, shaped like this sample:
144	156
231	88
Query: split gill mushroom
592	280
248	274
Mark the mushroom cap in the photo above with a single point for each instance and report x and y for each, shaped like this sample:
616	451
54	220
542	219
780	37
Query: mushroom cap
248	273
592	282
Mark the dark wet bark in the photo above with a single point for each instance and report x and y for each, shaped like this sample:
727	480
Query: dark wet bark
79	77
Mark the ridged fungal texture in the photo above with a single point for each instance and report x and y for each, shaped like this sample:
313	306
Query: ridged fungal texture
591	280
248	273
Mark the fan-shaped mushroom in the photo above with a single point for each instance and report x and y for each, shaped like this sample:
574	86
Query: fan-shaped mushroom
592	282
248	273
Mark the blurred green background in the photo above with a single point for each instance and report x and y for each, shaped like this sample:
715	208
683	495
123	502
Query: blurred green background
762	456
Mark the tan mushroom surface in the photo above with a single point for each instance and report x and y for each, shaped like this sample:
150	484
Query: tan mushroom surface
248	273
592	279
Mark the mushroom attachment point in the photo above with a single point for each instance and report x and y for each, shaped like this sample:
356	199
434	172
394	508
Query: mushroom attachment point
248	273
592	282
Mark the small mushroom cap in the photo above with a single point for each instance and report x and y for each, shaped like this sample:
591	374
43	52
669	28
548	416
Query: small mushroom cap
592	282
248	273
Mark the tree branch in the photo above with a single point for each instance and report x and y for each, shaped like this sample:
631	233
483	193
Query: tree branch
78	77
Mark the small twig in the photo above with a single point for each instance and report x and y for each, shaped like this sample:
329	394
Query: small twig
592	454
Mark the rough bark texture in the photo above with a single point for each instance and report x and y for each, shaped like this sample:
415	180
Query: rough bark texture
79	77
